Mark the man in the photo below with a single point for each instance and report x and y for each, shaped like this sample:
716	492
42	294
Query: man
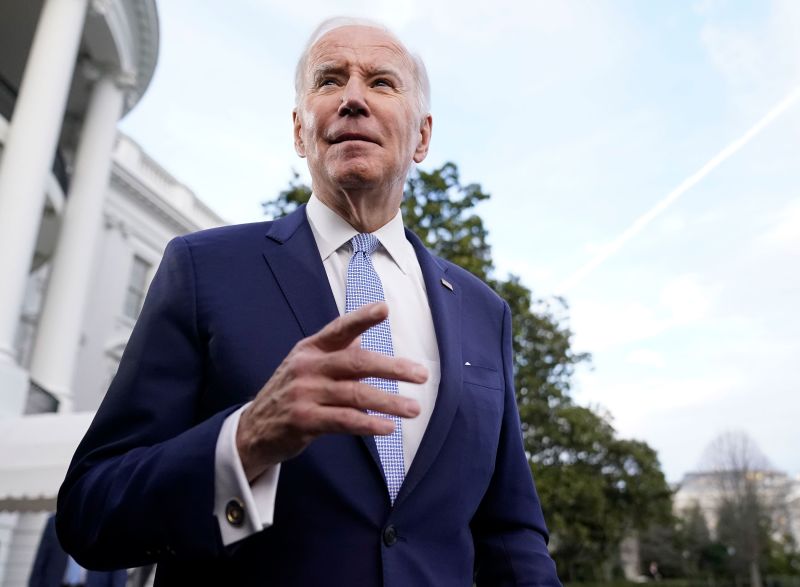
378	451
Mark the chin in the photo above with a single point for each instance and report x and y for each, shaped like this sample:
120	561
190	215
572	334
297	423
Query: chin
356	174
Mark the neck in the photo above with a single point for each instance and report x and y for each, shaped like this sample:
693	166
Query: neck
365	210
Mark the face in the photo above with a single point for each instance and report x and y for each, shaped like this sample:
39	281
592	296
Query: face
357	120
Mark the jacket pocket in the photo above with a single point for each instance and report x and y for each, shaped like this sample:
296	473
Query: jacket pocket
483	376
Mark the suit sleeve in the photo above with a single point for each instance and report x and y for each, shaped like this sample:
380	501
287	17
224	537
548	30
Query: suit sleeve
140	487
509	529
119	578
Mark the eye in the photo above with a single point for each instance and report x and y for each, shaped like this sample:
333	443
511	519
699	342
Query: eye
323	81
382	82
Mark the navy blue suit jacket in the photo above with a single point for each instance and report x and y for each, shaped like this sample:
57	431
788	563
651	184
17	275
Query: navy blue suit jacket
224	309
50	565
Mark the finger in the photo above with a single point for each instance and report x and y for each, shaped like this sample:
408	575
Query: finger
361	396
341	332
337	420
357	363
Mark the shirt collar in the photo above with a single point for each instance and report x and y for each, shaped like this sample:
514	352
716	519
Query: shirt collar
331	232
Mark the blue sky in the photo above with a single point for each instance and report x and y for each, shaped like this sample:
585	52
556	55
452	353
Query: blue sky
578	117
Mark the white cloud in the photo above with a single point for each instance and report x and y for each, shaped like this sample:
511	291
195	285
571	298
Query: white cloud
758	62
634	404
682	301
736	54
531	275
646	358
482	20
594	249
686	299
706	6
311	12
602	326
673	224
785	229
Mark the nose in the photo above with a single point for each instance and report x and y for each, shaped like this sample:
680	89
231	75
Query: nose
354	99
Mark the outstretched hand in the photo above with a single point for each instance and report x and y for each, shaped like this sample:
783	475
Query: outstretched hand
316	390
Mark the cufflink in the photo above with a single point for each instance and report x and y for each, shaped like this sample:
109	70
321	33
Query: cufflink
234	512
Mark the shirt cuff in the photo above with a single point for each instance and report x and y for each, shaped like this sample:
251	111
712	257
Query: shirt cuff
241	509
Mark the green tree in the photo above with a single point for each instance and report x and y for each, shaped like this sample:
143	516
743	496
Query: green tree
293	196
746	509
743	526
700	552
661	544
595	487
783	556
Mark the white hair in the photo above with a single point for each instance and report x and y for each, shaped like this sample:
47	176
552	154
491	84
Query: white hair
423	86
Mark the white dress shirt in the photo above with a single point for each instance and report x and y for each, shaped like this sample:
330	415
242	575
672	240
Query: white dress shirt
413	336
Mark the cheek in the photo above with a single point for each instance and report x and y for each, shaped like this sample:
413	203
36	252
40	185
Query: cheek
309	131
412	129
413	138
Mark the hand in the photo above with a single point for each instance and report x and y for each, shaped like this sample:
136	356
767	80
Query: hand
316	390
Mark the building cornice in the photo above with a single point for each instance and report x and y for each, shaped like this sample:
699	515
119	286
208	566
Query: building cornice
134	28
130	185
145	17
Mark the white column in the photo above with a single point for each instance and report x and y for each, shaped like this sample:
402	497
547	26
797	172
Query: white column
59	333
29	150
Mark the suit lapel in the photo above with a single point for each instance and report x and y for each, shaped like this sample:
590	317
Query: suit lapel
292	255
289	252
445	304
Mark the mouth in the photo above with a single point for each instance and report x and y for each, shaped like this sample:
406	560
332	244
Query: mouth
352	136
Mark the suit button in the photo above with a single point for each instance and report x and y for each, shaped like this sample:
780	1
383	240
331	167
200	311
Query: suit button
234	512
390	535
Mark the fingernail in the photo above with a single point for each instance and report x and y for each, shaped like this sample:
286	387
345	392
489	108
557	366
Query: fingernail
420	372
412	407
376	311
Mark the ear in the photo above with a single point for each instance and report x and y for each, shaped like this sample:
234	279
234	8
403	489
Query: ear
299	146
424	139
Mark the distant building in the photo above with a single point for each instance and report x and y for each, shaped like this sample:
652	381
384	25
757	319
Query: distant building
85	215
707	490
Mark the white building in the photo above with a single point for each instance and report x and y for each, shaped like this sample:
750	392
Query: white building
85	215
707	490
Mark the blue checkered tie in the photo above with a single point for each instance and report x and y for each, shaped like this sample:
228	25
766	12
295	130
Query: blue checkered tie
364	287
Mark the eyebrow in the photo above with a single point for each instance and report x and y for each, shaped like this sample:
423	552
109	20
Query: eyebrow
385	71
324	69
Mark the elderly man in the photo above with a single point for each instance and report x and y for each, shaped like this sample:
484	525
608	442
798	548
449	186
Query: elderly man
317	400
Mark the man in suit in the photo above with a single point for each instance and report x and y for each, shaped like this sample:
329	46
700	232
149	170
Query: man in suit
268	425
53	567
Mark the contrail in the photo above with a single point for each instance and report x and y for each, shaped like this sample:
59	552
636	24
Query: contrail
685	185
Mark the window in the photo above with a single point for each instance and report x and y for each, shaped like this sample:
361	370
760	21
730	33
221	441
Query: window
136	287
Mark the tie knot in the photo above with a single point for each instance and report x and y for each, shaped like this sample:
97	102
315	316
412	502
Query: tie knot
364	243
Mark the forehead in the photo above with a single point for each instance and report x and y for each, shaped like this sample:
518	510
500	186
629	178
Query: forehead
359	46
